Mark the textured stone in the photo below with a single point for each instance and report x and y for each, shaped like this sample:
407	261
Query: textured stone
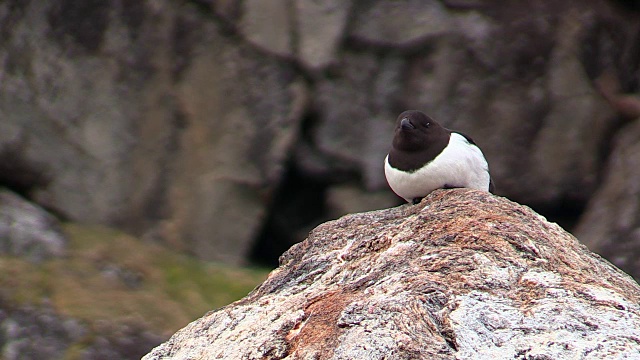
400	23
233	147
525	98
355	125
33	333
462	275
30	333
149	115
229	10
575	126
348	199
611	224
269	25
155	121
80	114
321	25
28	231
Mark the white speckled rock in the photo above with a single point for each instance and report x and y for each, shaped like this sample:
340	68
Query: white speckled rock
462	275
27	230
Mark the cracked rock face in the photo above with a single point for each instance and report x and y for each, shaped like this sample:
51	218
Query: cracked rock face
611	224
464	274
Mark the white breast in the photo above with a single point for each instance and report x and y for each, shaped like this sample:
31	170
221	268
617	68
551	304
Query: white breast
460	164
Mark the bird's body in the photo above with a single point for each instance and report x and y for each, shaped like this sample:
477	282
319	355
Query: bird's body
425	156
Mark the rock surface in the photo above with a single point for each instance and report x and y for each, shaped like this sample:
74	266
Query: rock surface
28	231
525	98
182	120
33	333
149	117
400	23
462	275
321	27
610	225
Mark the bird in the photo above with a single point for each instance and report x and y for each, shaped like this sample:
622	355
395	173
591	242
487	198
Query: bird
425	156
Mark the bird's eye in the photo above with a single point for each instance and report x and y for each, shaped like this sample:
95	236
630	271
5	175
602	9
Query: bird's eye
427	124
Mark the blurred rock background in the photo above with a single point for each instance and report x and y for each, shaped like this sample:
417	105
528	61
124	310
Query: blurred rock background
227	129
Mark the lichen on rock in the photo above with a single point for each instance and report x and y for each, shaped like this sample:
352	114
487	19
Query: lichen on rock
464	274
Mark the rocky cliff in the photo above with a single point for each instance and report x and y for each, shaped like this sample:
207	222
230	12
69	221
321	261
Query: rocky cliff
206	124
610	224
462	275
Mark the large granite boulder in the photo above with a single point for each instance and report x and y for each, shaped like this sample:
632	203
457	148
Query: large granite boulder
462	275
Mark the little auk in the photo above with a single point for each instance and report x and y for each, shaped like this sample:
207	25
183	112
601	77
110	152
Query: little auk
426	156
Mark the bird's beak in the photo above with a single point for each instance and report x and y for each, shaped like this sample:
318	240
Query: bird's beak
405	124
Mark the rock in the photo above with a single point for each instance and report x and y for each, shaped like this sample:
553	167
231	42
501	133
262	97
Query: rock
120	341
400	23
310	30
149	117
348	199
269	25
355	125
89	102
464	274
523	98
528	97
234	145
27	230
611	225
229	10
572	96
31	333
321	26
176	120
28	332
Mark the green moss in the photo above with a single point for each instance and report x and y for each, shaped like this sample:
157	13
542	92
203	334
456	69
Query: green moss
114	276
215	284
